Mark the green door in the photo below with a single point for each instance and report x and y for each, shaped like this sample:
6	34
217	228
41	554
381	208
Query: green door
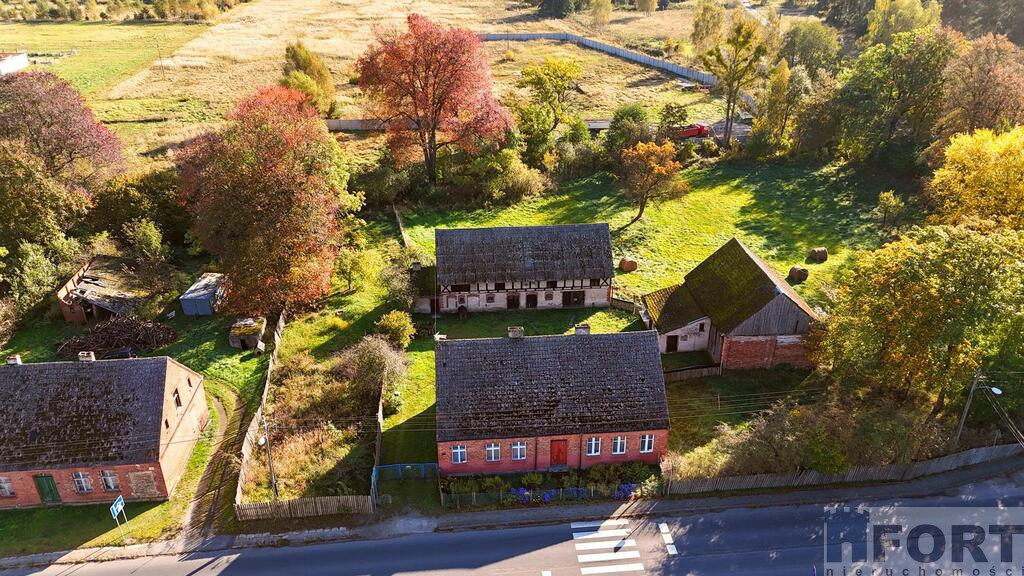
47	489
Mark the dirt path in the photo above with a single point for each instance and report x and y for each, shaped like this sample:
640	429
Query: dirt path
203	504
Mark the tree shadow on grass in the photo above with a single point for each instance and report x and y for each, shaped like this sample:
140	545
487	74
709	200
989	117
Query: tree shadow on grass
413	441
343	338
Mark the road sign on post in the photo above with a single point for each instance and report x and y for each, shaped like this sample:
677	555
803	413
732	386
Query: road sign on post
117	508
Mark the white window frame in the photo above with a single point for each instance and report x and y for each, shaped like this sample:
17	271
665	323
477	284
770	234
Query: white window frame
459	454
83	484
519	450
110	481
619	445
6	489
492	448
594	446
646	443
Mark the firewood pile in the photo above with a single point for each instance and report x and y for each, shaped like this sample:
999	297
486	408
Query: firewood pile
118	333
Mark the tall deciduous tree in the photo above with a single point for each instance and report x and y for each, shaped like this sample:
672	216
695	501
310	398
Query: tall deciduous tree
735	64
918	316
982	179
600	13
551	86
813	45
650	172
891	17
51	118
707	25
647	6
270	200
776	107
307	73
432	85
985	86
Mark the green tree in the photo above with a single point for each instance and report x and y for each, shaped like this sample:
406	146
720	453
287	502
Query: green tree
630	125
735	63
306	72
352	264
377	369
673	117
776	106
851	15
891	17
600	13
33	278
551	86
707	26
396	326
917	317
813	45
143	241
889	210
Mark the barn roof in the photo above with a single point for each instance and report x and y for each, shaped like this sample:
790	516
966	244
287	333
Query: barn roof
205	288
547	385
63	414
506	254
729	286
111	283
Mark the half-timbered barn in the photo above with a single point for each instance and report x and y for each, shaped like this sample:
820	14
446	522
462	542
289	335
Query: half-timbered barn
737	308
566	266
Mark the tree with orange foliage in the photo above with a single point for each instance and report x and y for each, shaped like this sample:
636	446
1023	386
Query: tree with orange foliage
649	172
270	200
431	85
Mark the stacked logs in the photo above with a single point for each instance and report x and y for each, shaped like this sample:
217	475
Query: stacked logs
118	333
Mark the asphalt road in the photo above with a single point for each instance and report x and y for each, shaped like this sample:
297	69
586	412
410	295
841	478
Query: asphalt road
762	541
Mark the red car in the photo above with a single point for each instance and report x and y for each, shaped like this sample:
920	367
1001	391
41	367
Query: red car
693	131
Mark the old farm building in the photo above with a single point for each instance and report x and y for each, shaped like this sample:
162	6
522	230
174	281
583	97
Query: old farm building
527	403
737	308
520	267
106	286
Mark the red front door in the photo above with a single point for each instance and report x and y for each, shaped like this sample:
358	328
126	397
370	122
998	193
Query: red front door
558	452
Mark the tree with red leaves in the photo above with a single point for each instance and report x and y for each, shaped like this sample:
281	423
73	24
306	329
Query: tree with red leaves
50	118
431	85
270	200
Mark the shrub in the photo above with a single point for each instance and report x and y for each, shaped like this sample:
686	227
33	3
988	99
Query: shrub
462	485
143	241
603	474
709	148
337	323
375	369
397	327
636	472
395	276
493	484
532	480
630	125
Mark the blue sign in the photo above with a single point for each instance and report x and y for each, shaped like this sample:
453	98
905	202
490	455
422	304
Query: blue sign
116	507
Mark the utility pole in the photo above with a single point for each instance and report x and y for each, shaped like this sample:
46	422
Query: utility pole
967	406
270	455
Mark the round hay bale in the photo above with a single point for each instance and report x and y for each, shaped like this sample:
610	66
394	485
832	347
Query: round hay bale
819	254
627	265
798	274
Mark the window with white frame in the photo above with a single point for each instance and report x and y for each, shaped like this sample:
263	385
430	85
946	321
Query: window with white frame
619	445
519	450
493	452
458	454
83	484
6	490
593	446
110	481
647	443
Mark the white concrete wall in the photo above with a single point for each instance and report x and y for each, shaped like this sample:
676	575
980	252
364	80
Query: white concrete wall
690	337
13	63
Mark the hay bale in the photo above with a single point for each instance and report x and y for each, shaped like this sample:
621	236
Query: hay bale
797	274
627	265
819	254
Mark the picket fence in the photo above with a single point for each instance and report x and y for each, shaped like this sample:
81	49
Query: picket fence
806	478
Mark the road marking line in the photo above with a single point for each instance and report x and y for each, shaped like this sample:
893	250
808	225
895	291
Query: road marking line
667	538
612	569
600	534
599	523
607	556
606	544
671	550
663	527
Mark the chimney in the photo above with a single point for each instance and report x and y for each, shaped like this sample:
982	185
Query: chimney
86	357
583	328
14	360
515	331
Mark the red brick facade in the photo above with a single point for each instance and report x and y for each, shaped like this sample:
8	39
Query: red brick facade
135	482
749	352
538	453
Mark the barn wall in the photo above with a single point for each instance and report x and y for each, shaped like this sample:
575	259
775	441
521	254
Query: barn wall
752	352
690	337
780	316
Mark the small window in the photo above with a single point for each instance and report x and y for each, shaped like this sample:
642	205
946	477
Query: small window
593	446
519	450
493	452
490	298
700	327
462	299
549	296
619	445
552	284
647	443
167	424
684	337
177	399
460	288
595	282
110	481
499	285
83	484
458	454
189	382
6	490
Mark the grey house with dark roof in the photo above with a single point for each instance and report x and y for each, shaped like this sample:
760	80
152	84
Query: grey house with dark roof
521	267
88	431
737	308
549	402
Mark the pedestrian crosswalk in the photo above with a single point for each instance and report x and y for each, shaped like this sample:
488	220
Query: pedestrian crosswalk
604	547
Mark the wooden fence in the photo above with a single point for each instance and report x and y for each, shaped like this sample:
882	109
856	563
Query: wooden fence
692	373
620	304
892	473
